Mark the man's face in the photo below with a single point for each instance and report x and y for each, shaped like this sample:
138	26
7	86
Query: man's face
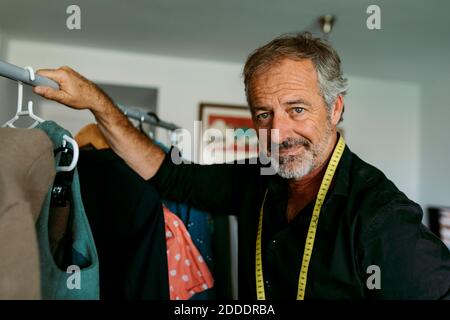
287	97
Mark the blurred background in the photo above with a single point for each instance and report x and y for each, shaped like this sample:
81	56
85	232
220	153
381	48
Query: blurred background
168	56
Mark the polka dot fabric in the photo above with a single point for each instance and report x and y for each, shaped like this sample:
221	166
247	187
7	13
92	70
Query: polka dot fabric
188	272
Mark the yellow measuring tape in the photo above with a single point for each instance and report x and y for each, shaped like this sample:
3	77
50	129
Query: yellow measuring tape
324	186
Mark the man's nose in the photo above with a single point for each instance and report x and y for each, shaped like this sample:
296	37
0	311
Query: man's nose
280	128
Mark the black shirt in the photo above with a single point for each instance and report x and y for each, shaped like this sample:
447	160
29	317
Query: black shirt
364	221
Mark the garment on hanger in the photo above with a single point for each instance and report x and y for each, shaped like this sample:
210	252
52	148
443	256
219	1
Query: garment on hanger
127	221
200	226
81	278
188	272
210	233
90	135
26	172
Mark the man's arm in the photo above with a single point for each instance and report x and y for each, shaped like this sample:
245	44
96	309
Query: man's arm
414	264
77	92
217	188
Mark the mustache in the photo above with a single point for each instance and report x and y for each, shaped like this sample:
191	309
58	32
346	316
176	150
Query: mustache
293	142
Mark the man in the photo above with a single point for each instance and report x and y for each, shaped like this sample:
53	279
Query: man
368	241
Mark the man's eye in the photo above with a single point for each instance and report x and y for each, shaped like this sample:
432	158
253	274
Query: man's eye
262	116
298	110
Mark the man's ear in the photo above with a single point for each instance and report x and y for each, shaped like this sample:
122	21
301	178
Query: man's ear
338	108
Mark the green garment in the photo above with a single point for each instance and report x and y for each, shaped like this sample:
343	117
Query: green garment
63	284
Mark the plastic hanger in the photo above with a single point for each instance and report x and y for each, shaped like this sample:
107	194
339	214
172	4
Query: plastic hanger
154	115
62	185
67	159
20	112
141	124
75	154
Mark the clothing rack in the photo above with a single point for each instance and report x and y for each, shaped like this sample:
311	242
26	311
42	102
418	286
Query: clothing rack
16	73
134	113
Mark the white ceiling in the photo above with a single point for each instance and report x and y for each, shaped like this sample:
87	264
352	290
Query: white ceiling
413	44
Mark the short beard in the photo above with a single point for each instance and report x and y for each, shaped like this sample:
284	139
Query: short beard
298	166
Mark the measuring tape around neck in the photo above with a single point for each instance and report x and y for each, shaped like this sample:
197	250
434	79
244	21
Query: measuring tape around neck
307	253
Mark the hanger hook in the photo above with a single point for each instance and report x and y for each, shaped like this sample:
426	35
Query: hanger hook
76	154
20	111
31	72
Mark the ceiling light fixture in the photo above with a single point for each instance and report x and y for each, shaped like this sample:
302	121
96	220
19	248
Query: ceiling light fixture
326	23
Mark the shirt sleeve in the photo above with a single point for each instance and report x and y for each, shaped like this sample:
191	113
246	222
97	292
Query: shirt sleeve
215	188
411	262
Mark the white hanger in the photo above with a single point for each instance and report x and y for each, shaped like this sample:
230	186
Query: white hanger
76	154
30	113
20	111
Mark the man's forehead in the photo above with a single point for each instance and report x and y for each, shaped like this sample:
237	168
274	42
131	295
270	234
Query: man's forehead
290	79
285	72
287	66
283	96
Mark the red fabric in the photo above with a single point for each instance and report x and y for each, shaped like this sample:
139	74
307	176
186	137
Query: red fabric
188	272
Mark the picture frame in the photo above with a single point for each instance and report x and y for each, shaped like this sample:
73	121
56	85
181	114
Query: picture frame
237	139
439	222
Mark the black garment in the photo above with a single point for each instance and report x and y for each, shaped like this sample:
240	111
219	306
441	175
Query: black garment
127	221
365	220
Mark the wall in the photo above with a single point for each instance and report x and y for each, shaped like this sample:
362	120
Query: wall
435	155
7	86
381	119
182	83
382	126
2	43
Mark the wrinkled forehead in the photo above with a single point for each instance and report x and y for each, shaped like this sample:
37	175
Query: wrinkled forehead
282	79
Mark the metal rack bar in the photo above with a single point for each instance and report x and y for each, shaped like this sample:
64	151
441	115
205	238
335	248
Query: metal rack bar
20	74
16	73
134	113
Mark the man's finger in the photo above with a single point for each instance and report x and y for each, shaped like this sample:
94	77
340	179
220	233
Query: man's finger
50	93
51	74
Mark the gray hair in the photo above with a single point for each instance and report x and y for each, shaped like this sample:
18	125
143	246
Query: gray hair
301	46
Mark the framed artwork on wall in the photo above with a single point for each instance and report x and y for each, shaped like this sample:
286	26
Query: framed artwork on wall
439	221
227	133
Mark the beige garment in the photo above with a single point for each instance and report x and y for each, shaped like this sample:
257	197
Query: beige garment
90	135
26	173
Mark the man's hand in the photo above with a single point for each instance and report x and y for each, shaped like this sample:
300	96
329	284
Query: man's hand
75	91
